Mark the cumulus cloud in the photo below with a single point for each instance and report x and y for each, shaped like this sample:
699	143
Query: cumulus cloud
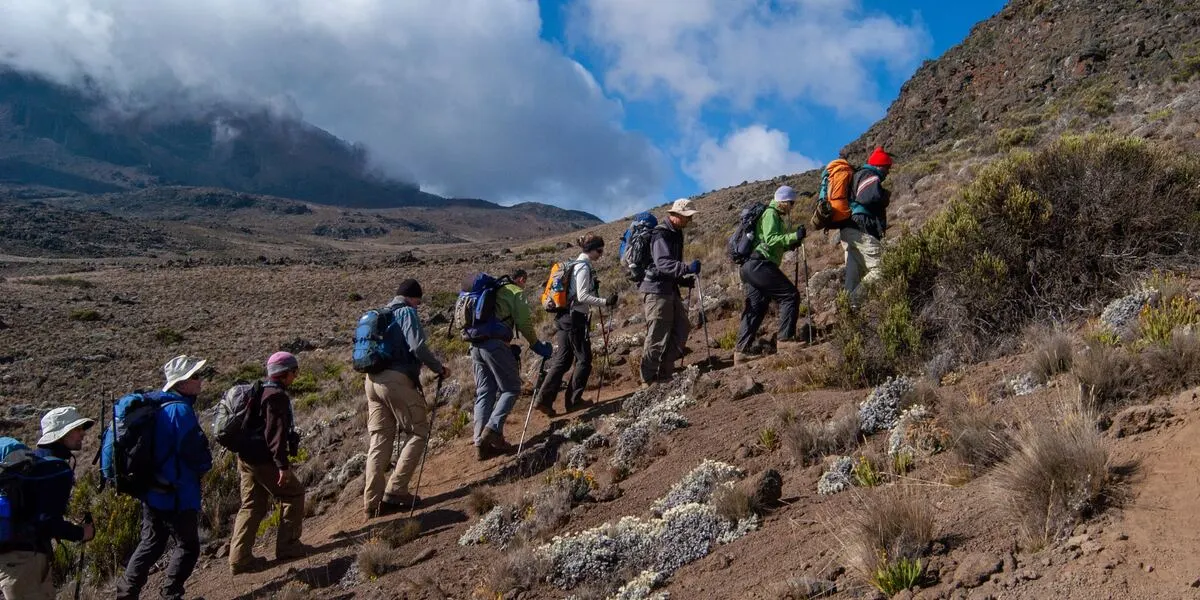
460	95
748	154
743	51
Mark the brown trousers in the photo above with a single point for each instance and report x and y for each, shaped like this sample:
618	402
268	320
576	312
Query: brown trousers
394	406
259	485
25	576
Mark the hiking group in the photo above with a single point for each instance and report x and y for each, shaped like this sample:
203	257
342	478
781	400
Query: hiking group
155	450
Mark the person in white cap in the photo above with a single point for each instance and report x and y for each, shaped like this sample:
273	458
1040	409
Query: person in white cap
667	325
171	509
25	563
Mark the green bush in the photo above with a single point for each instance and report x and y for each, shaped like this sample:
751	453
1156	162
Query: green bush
86	315
168	336
728	340
1036	237
1017	136
222	494
117	519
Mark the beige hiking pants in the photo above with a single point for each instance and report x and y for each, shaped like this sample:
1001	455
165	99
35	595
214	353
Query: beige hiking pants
25	576
394	406
862	258
260	486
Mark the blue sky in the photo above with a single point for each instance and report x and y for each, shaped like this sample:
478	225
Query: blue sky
609	106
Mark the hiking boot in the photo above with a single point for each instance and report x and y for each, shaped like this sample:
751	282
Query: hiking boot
545	409
253	564
741	358
789	343
495	441
294	551
581	405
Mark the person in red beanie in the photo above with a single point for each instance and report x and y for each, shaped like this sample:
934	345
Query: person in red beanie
868	222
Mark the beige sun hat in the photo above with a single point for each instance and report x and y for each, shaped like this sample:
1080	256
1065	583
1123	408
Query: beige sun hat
683	207
181	368
61	421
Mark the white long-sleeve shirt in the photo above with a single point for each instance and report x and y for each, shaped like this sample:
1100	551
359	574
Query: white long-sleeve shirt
583	285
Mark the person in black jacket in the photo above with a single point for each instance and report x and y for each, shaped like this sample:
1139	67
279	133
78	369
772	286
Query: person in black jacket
868	222
25	564
667	325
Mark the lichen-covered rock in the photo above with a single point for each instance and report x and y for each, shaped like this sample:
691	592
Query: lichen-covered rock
837	478
1121	315
1023	384
917	433
698	485
768	489
882	407
348	470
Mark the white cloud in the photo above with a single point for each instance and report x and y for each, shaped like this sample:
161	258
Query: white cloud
749	154
744	51
460	95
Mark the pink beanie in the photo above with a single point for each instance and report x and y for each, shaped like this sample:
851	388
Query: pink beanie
280	363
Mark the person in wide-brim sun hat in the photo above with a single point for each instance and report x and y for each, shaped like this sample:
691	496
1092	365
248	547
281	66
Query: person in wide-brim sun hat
181	368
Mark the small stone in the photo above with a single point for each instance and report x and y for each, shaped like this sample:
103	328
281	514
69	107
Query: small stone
1139	419
976	569
1196	583
1027	575
903	595
741	453
1148	568
1075	542
745	387
769	488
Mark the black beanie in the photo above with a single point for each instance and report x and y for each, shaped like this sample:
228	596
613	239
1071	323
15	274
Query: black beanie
593	244
409	288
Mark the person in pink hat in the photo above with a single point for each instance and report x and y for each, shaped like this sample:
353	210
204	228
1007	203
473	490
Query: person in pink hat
266	472
861	236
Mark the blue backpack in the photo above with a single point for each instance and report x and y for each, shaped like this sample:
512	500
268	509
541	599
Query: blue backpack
372	353
22	471
476	309
635	246
127	452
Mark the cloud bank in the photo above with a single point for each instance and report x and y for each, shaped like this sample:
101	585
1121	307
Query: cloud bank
748	154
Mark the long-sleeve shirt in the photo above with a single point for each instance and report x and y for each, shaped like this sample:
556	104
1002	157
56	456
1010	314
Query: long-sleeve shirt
52	497
773	241
274	420
513	310
871	201
583	286
408	340
666	252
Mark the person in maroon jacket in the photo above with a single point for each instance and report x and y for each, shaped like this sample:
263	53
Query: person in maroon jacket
266	472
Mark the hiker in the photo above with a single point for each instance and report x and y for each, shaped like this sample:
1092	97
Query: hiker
396	405
265	472
861	235
495	361
763	279
171	507
25	560
573	342
667	323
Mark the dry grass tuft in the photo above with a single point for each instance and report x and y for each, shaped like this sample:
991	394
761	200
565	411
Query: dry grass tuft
890	532
1174	366
923	393
481	500
802	588
1058	476
809	441
978	439
375	559
1051	356
733	503
1107	376
398	533
519	570
293	591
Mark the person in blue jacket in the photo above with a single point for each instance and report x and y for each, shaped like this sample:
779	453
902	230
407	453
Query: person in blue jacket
171	510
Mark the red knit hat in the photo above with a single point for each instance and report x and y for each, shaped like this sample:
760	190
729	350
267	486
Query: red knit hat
879	158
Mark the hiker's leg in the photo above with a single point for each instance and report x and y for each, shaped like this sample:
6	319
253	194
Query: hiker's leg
486	390
559	363
755	308
870	249
256	501
658	333
153	542
185	528
679	329
291	498
25	574
776	285
854	262
381	430
508	382
581	349
413	416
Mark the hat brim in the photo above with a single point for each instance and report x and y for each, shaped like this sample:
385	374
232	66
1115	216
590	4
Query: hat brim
53	436
185	375
684	213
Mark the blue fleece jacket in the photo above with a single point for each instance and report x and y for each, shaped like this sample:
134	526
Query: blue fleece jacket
181	451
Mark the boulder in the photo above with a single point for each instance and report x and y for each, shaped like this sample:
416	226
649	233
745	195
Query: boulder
1139	419
768	489
975	569
745	387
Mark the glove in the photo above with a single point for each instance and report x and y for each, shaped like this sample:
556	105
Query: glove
800	233
694	267
687	281
611	301
542	349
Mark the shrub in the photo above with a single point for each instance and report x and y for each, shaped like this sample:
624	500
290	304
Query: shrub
1017	136
1173	366
117	522
375	559
733	503
1036	237
399	532
768	438
809	441
1107	376
887	537
1051	357
1057	476
866	472
1158	322
728	340
86	315
977	439
481	501
168	336
221	487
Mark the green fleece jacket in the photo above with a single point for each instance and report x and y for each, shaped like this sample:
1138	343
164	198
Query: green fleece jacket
513	310
773	240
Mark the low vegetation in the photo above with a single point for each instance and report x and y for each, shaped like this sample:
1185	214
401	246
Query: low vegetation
1052	356
887	538
85	315
809	441
375	559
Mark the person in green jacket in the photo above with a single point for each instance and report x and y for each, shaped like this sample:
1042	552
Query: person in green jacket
765	281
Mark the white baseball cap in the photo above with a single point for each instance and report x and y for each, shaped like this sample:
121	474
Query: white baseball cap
61	421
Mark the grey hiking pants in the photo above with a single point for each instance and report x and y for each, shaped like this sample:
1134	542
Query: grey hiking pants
158	527
667	329
497	385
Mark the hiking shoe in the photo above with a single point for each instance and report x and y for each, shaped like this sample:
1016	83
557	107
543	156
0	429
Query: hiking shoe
406	499
253	564
294	551
741	358
545	409
495	441
581	405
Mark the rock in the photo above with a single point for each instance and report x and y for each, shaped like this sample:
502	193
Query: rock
297	346
903	595
1148	568
742	453
1139	419
976	569
1075	542
3	325
746	387
1091	547
768	489
1027	575
1196	583
438	318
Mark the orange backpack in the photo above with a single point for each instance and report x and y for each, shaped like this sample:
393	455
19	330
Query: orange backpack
556	294
833	202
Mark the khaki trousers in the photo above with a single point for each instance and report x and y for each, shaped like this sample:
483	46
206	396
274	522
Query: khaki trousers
25	576
667	329
862	258
394	406
259	485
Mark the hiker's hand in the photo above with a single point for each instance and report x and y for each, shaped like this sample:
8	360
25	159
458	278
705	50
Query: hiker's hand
801	233
445	374
612	300
89	532
694	267
542	349
285	477
688	281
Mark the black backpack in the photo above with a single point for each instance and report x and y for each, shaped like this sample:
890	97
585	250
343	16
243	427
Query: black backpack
745	239
233	424
635	247
22	474
127	452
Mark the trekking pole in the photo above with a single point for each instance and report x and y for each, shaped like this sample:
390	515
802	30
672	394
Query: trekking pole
807	295
421	469
87	520
532	401
604	333
703	320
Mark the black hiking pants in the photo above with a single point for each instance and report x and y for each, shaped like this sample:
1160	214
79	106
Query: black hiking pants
764	283
158	527
572	346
